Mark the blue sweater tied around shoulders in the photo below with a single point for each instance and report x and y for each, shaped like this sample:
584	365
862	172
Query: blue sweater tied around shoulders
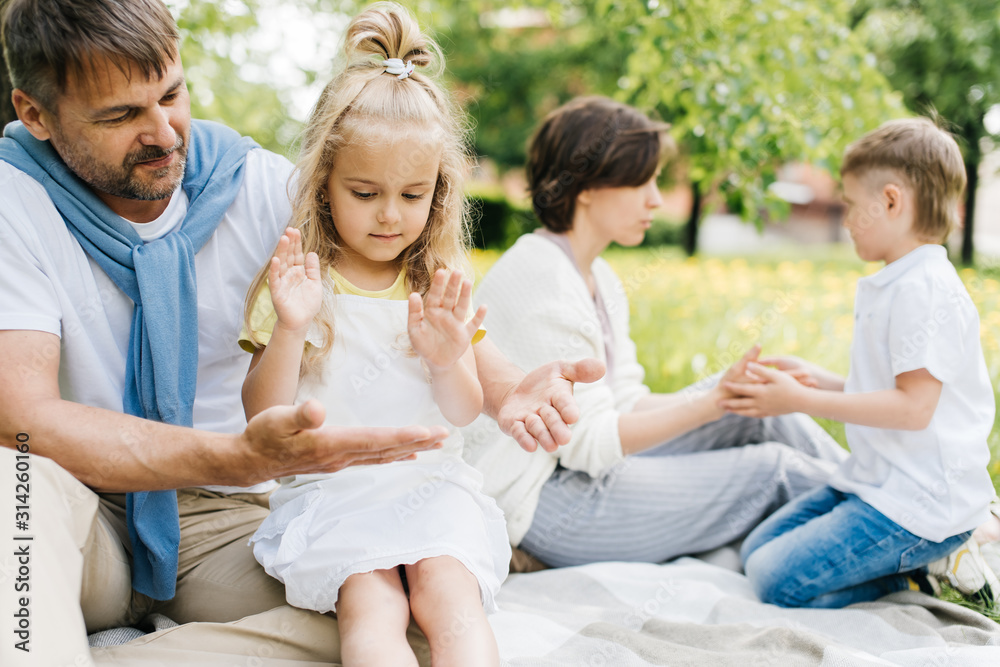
161	369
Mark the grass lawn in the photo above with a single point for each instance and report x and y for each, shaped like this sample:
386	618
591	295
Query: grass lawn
693	317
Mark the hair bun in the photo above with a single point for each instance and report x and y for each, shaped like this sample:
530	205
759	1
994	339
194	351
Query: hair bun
387	30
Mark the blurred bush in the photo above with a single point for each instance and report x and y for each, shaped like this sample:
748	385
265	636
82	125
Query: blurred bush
496	222
664	232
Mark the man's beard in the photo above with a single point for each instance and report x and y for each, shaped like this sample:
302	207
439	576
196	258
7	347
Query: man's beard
121	180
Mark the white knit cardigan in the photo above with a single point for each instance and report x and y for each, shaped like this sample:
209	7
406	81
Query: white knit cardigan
540	310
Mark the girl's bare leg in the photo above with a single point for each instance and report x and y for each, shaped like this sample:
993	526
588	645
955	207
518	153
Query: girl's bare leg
373	614
444	598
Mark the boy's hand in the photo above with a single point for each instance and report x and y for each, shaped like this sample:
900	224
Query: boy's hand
798	368
437	327
294	279
769	392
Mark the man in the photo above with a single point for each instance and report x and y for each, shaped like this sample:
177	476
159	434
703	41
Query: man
128	237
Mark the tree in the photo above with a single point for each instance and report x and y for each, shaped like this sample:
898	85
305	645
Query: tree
942	56
7	113
750	85
510	76
747	84
217	54
214	57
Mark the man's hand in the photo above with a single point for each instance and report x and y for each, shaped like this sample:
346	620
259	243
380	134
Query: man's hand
290	440
539	409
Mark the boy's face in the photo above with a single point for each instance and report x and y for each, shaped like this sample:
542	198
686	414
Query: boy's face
879	217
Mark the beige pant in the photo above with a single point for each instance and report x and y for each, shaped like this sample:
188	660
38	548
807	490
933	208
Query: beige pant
75	579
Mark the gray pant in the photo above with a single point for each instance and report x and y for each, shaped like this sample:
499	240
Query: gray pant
696	492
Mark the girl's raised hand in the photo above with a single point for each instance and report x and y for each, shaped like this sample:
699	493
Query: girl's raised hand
294	279
437	327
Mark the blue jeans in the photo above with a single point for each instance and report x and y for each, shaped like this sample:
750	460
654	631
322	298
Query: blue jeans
831	549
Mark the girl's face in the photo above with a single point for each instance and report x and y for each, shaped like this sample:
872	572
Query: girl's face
380	197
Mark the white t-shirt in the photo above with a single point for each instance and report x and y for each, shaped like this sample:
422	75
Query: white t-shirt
48	283
916	313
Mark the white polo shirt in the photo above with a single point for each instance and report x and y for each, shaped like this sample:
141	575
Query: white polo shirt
48	283
916	313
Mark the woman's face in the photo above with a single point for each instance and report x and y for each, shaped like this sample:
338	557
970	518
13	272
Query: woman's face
621	214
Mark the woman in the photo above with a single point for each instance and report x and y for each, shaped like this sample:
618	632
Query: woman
646	477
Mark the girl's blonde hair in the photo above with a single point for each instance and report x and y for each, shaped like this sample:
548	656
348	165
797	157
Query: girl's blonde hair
364	104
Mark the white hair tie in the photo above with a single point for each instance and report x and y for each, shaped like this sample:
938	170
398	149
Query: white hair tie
396	66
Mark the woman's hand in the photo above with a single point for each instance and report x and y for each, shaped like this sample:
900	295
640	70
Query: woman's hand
295	283
437	327
735	373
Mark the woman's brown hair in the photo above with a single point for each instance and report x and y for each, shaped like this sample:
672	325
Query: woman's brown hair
589	143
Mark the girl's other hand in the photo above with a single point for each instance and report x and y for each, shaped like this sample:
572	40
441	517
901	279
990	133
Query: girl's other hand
294	279
437	327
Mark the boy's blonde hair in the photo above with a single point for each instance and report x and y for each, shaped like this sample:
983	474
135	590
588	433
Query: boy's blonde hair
363	104
929	161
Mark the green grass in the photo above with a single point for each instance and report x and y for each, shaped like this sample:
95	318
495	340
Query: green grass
949	594
693	317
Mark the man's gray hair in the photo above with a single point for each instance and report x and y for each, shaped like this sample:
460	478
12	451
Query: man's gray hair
45	40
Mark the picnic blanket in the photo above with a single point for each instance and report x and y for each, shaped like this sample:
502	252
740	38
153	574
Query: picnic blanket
690	612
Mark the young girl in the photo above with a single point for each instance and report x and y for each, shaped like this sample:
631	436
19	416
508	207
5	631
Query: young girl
366	313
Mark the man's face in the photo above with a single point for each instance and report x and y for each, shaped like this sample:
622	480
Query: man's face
126	139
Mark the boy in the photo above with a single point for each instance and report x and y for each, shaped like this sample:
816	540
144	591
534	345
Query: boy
917	403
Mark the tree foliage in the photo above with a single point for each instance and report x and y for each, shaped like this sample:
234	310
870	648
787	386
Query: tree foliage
509	78
747	84
7	113
750	85
943	56
216	49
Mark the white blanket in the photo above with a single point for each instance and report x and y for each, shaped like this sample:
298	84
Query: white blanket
692	613
686	613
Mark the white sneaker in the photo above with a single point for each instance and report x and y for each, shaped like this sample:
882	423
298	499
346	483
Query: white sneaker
968	573
991	555
991	550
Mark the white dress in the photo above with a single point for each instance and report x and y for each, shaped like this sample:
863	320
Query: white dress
324	528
